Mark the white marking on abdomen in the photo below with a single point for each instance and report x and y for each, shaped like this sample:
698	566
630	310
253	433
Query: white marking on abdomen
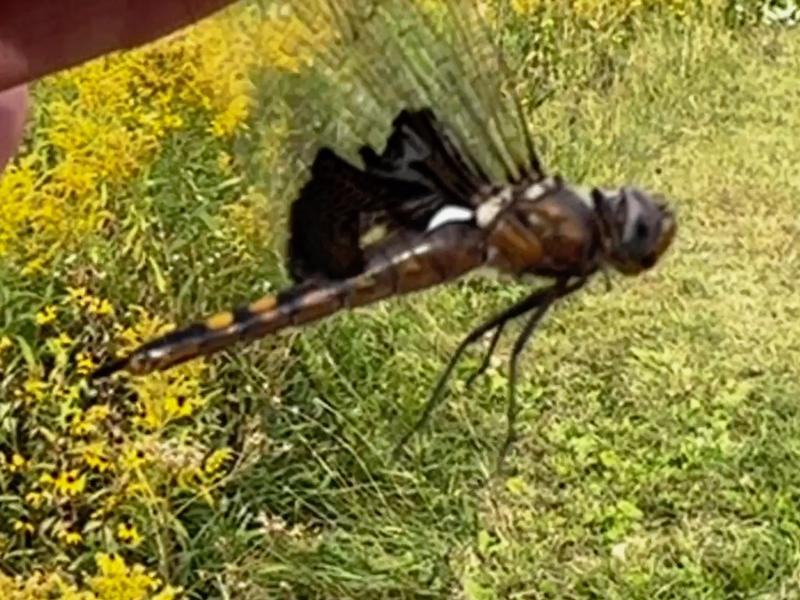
450	214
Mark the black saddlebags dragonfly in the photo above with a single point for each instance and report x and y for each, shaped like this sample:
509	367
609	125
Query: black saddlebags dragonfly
457	186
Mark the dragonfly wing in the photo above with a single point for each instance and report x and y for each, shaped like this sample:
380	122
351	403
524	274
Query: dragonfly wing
425	61
332	212
430	75
419	172
421	150
323	226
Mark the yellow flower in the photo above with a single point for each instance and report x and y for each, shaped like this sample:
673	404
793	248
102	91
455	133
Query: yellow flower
87	422
77	295
168	593
163	396
34	389
95	456
172	121
127	534
136	490
133	458
80	427
110	564
224	161
73	537
34	499
17	462
70	483
70	538
117	580
64	340
35	266
69	394
97	413
46	316
146	328
189	477
232	117
85	364
24	527
217	459
100	307
5	343
522	7
182	406
39	585
81	298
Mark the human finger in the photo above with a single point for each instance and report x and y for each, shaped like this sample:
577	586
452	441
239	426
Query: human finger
13	110
38	37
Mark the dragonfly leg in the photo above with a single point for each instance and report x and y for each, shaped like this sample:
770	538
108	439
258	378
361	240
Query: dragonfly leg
498	321
511	405
488	356
559	290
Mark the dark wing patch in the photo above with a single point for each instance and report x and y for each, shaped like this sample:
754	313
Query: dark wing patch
337	205
324	221
421	150
420	170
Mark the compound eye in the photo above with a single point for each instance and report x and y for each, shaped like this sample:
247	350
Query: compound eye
642	231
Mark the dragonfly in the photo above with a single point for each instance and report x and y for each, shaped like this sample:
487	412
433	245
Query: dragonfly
453	187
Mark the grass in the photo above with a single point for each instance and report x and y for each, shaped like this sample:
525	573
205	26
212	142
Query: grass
660	424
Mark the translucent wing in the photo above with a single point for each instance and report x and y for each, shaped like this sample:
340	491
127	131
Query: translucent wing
384	56
409	114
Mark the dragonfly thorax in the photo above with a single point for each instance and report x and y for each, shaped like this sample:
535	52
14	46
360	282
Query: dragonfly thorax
542	228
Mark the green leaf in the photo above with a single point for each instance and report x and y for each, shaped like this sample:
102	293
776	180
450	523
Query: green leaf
475	591
27	352
516	485
610	459
629	510
161	283
484	541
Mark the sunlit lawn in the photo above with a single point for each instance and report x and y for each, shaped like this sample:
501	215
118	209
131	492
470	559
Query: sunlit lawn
660	425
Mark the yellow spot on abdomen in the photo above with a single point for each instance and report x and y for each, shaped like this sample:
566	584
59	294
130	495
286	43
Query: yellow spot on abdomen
219	321
263	304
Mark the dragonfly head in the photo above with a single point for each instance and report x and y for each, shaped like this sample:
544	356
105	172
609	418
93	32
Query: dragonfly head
638	227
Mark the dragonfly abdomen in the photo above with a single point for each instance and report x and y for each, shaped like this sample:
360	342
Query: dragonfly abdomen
411	263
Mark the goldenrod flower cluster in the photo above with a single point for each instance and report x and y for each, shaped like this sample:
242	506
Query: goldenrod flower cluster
95	476
99	125
115	580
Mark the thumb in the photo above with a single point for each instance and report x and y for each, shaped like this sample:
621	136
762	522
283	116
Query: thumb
13	111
